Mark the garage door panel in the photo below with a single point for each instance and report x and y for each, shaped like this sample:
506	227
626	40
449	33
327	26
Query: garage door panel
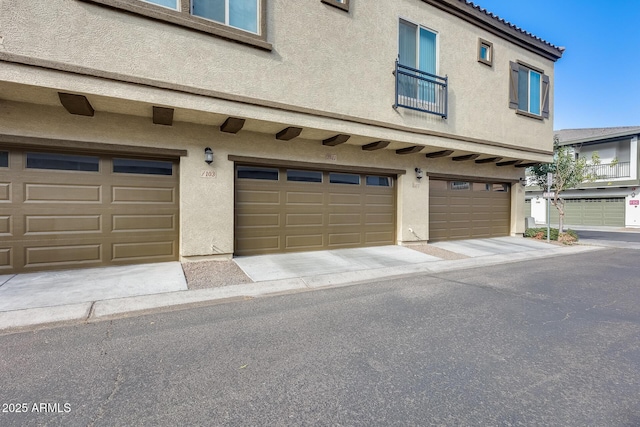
459	201
148	251
5	258
320	214
143	195
378	237
252	197
5	225
344	239
379	218
303	219
344	219
56	256
467	213
66	218
62	224
143	223
259	244
5	192
593	212
305	198
379	199
60	193
305	242
258	220
345	199
460	216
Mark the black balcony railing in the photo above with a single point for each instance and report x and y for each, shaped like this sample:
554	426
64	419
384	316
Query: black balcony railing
421	91
610	170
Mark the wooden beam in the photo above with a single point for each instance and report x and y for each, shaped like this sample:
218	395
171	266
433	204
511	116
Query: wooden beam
410	150
436	154
162	116
288	134
76	104
465	158
232	125
525	165
509	163
378	145
489	160
336	140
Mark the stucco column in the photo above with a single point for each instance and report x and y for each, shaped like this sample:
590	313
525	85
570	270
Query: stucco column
413	208
517	208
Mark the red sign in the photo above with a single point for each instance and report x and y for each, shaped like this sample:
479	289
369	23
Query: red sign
634	202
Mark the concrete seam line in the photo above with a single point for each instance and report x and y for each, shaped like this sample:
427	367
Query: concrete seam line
7	281
91	312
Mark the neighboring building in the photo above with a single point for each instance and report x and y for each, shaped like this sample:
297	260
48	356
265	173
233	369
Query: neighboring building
611	200
316	138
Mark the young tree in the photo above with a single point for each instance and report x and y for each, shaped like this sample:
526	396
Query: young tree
568	172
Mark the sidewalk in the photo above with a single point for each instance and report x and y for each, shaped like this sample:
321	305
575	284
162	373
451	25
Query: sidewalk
287	273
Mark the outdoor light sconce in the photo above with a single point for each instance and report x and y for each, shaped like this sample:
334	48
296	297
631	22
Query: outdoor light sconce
208	155
418	173
523	182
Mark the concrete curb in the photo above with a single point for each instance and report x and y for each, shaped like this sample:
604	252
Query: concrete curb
114	308
44	315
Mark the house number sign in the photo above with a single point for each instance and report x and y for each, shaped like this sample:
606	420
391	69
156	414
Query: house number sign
208	174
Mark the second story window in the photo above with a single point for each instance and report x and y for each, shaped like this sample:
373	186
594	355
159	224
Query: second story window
242	14
417	50
238	20
529	90
417	85
172	4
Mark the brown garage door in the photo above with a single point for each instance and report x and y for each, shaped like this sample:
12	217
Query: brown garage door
83	210
466	210
288	210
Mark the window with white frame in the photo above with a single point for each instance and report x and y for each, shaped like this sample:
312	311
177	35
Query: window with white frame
529	85
485	52
529	90
242	14
417	49
171	4
239	20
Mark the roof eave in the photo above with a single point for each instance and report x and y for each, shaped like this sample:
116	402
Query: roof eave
491	23
601	137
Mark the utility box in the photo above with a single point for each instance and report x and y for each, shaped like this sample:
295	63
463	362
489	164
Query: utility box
529	222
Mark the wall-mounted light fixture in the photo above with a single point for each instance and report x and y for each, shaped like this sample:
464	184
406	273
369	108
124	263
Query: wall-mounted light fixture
419	173
208	155
523	181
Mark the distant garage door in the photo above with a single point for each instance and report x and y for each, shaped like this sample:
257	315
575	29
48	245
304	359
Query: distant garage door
279	209
466	210
64	210
592	212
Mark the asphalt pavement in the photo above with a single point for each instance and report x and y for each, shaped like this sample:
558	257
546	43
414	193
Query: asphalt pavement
553	341
49	298
615	236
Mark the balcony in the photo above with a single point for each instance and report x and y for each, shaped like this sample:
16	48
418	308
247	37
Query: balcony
611	170
421	91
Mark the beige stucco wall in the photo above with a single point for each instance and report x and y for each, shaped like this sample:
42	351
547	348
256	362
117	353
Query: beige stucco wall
206	204
322	58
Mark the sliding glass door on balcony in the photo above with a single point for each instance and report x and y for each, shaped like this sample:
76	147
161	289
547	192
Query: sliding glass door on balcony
417	51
